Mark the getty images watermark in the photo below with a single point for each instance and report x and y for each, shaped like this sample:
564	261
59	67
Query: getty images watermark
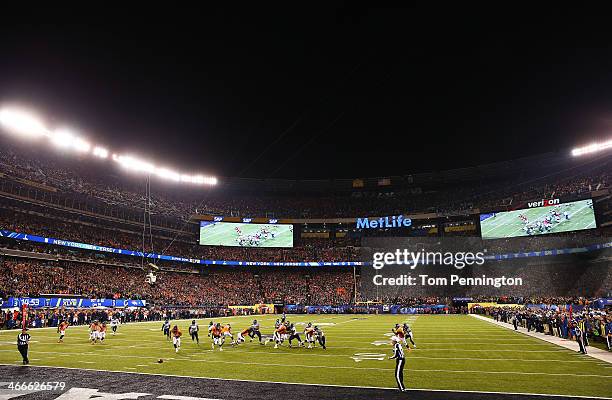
459	260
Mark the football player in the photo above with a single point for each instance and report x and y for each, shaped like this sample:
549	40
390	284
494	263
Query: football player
102	332
176	338
279	335
166	329
215	333
293	334
193	331
93	332
309	334
61	329
243	333
226	331
114	324
255	331
320	337
408	333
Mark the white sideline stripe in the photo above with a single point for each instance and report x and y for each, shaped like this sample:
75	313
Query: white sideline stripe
357	348
560	350
364	368
594	352
255	353
318	384
460	371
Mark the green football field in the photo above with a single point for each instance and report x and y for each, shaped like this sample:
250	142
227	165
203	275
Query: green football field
224	234
454	352
507	223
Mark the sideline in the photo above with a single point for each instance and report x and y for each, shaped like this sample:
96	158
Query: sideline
594	352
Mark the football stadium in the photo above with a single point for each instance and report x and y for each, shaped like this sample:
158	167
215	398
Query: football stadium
171	227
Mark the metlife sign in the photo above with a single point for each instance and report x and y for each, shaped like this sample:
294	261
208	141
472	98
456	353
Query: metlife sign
398	221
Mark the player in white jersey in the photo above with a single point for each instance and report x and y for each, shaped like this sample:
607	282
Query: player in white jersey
114	324
409	335
193	331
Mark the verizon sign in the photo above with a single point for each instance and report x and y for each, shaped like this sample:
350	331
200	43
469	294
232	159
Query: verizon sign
543	203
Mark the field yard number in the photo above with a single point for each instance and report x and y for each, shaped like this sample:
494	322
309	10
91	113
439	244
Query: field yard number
368	356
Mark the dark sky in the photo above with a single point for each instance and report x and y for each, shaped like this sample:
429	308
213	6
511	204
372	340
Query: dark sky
321	93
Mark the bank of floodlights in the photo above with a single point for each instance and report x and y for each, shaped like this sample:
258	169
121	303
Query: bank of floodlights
26	124
592	148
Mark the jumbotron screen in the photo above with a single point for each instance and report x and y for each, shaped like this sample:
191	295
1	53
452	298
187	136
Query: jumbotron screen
245	234
565	217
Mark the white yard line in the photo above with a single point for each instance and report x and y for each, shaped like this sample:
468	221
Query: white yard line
255	353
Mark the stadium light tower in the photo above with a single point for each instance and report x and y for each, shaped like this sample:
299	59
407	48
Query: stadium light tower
592	148
22	123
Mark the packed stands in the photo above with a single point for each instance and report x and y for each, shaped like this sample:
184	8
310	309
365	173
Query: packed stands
48	195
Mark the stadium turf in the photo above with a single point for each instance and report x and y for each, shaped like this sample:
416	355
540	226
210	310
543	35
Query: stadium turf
455	352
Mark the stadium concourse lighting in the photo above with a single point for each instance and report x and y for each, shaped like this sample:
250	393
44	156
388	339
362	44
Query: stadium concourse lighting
27	124
592	148
22	122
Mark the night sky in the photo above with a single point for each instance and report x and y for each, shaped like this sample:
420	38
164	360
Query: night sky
320	93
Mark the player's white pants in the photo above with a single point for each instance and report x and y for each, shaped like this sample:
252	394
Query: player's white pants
102	335
240	338
176	341
93	336
310	339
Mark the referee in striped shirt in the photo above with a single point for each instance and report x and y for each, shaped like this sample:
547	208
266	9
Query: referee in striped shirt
23	343
400	361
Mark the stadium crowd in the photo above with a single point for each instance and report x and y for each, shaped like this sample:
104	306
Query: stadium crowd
582	324
107	236
112	188
217	287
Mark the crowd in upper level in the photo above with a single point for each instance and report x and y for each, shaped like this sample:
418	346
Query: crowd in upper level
101	184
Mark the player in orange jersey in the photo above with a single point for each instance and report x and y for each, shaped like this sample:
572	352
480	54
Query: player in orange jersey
309	333
279	335
215	333
102	332
61	329
176	338
226	331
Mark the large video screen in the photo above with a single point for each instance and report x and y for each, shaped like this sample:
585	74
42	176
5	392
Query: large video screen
565	217
245	235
